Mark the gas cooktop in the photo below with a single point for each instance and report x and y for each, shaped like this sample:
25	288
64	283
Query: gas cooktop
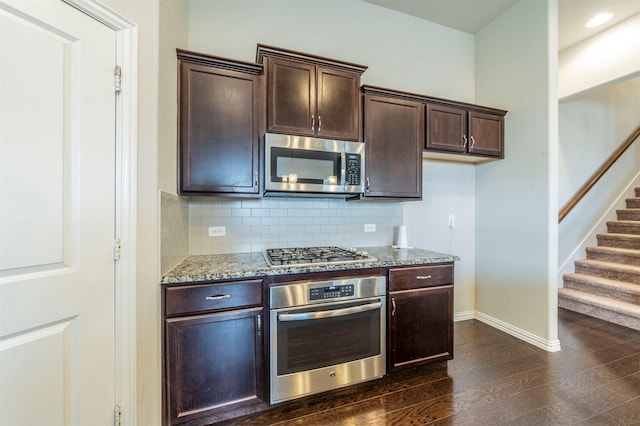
315	256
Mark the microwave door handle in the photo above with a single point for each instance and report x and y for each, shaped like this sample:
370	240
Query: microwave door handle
343	169
329	314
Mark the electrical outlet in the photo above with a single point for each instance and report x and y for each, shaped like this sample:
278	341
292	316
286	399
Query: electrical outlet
369	227
217	231
452	221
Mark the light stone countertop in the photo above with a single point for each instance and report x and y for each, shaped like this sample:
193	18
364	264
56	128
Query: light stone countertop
221	267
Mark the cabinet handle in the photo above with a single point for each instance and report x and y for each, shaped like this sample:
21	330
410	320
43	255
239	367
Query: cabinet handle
218	297
423	277
393	307
313	122
473	142
255	178
368	183
464	140
259	325
319	122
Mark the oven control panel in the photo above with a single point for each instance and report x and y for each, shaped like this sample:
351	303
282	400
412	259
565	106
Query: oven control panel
331	292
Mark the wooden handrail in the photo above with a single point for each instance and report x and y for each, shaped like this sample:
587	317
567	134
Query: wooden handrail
597	175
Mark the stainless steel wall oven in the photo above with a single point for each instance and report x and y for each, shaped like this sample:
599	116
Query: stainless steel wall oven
326	335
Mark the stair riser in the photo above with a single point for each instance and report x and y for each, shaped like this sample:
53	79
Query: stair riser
614	258
610	241
602	291
607	273
628	215
623	228
633	203
637	191
601	313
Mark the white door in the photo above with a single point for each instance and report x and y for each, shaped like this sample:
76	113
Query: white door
57	198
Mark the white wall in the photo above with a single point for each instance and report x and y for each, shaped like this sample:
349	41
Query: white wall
608	57
516	201
592	127
402	52
448	189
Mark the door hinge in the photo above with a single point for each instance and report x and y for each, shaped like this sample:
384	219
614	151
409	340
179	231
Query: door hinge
117	416
116	249
117	79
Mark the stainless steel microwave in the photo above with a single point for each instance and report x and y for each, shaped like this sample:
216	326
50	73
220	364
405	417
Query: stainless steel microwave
297	165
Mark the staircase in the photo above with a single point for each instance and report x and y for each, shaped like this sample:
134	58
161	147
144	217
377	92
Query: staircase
606	284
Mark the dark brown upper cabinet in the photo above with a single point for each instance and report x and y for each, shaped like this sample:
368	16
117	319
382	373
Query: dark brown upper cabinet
473	131
393	137
219	126
310	95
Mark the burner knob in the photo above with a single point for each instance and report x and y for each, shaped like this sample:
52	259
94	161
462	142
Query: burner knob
352	250
362	254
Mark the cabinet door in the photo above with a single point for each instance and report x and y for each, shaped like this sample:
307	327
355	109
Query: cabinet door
338	104
213	362
219	130
446	128
291	91
420	326
486	134
393	145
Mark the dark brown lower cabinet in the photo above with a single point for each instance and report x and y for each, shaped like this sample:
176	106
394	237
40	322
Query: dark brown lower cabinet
213	361
420	316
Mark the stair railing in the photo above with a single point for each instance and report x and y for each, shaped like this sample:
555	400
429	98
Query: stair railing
597	175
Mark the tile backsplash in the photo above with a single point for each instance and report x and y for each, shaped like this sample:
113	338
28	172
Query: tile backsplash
255	225
174	230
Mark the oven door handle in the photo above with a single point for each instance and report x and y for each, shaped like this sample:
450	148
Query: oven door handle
329	314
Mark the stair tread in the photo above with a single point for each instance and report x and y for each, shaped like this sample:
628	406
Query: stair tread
624	286
614	250
609	265
624	222
619	236
600	301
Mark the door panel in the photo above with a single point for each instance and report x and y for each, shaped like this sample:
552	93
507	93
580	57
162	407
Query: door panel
292	97
446	128
485	131
57	198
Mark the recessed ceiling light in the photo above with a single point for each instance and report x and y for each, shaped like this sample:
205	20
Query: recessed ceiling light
599	19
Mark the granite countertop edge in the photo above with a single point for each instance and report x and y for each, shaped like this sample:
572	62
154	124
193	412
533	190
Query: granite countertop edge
223	267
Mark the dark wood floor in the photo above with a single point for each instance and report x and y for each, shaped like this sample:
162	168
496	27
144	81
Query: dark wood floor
495	379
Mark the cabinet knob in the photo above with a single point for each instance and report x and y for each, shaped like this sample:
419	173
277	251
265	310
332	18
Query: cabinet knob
464	141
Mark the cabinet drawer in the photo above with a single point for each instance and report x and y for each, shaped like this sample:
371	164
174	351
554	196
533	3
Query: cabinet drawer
419	277
211	297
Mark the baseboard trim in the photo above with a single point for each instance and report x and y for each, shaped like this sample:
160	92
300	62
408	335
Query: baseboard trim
464	316
537	341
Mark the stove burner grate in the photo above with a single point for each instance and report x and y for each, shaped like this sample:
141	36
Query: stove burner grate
314	256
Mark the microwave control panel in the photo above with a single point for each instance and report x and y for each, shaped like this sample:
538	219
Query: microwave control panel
353	169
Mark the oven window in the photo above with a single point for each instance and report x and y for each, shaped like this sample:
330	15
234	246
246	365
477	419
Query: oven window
308	166
309	344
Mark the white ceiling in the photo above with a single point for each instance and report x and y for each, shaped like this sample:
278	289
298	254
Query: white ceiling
472	15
